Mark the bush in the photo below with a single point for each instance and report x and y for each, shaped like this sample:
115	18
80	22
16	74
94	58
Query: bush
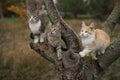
97	8
75	7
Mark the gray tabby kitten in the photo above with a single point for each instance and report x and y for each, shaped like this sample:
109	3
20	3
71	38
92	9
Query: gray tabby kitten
54	39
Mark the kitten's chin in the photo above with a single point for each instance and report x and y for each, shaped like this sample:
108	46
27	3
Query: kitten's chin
83	36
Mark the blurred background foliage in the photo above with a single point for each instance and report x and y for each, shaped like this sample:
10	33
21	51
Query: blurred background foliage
99	9
94	8
12	8
19	62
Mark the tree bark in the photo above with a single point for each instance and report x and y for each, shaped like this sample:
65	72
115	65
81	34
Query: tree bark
72	66
112	53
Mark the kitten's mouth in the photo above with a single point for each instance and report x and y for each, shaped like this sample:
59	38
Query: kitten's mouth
51	32
83	36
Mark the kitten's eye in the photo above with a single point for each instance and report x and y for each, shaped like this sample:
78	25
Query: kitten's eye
82	31
85	31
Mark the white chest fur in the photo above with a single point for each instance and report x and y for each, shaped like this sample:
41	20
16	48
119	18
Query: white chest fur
88	40
35	27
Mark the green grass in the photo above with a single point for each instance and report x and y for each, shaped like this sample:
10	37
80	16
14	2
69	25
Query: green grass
10	20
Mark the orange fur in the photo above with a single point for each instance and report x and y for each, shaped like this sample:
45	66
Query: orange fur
93	40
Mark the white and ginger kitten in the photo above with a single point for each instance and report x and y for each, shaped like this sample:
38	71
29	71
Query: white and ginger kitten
93	40
37	29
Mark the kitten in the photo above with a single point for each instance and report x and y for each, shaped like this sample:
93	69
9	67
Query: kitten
54	39
37	29
93	40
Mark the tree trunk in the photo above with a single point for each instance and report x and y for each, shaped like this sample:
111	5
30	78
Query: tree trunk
72	66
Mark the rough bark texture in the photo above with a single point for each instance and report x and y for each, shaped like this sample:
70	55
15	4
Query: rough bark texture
72	66
112	53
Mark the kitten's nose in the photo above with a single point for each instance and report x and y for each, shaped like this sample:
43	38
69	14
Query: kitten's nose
81	34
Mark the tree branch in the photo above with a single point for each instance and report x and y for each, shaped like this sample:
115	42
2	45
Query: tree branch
71	63
44	49
112	20
112	53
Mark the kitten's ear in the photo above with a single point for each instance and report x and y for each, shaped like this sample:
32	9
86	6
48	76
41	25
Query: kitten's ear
58	24
49	24
83	24
92	26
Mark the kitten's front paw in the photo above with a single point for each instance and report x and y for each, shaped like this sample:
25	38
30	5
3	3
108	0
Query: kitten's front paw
81	54
99	53
41	40
103	51
59	56
36	41
94	58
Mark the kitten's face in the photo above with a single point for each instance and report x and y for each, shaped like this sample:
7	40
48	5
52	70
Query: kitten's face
33	19
54	30
86	31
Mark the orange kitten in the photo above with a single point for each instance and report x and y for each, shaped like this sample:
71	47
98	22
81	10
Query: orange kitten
93	40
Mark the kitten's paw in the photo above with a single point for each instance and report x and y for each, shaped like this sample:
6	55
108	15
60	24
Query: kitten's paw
103	51
81	54
59	54
41	40
36	41
94	58
99	53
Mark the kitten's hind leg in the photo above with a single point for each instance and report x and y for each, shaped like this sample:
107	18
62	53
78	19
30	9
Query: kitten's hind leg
103	50
59	53
84	52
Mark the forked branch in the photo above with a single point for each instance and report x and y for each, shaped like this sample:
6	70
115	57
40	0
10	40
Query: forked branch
44	49
72	67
